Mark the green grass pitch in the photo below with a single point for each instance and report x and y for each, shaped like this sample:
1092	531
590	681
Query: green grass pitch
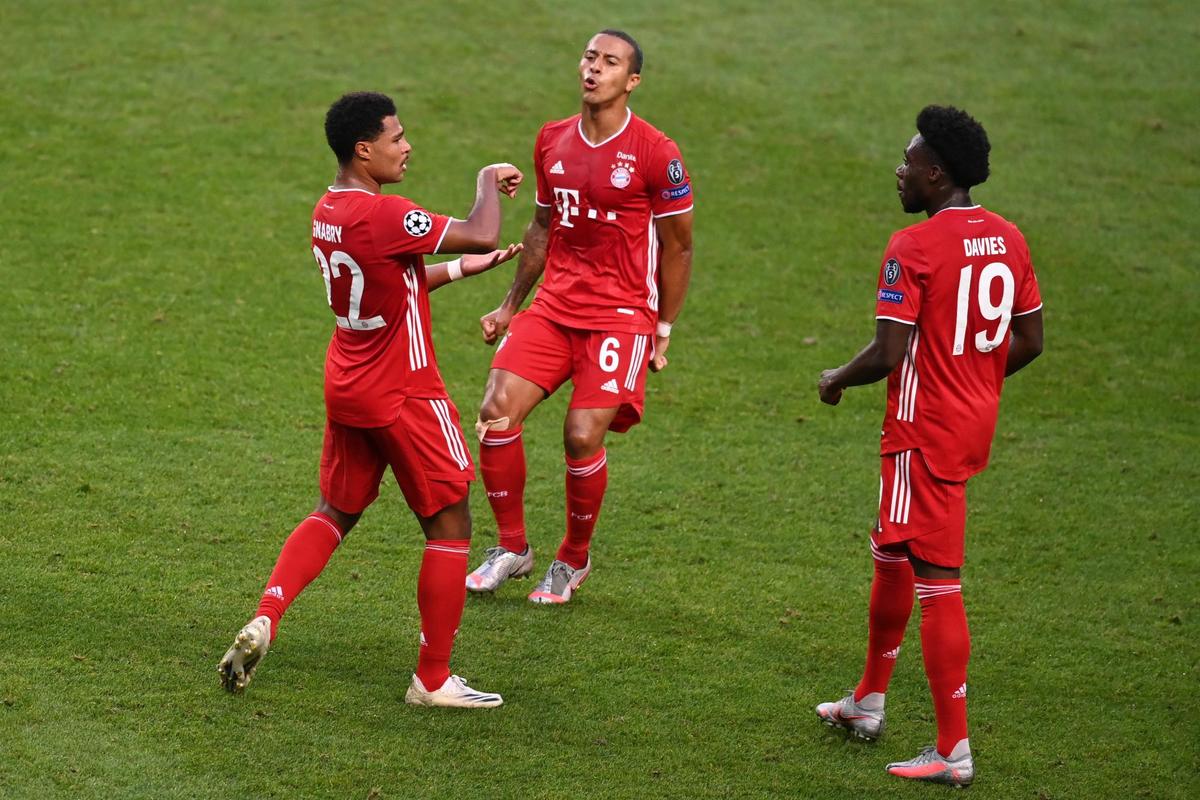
162	336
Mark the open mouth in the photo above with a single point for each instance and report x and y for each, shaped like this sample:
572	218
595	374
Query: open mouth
590	84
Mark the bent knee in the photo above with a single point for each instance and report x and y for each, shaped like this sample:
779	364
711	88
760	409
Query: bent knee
582	442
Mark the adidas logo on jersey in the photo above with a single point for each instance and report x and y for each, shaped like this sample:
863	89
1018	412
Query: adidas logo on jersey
274	591
557	169
610	385
960	693
893	654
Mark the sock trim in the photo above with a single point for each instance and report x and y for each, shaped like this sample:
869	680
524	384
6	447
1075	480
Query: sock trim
498	438
885	556
333	526
585	467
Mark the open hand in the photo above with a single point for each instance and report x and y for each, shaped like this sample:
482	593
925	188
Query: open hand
473	264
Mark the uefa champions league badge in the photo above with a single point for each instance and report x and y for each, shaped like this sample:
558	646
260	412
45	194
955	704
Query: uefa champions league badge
417	222
621	175
675	171
891	272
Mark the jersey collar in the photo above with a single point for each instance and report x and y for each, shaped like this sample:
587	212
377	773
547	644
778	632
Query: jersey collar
960	208
624	125
364	191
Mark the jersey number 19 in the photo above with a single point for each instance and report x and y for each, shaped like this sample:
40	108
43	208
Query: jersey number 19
995	271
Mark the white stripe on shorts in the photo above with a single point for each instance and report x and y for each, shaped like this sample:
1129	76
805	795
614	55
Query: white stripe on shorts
454	442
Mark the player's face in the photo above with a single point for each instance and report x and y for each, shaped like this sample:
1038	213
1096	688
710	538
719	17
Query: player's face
387	154
604	70
912	176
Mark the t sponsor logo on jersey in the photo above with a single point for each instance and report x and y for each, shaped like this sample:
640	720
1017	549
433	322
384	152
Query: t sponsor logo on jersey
417	222
889	296
891	272
610	385
675	171
557	169
675	194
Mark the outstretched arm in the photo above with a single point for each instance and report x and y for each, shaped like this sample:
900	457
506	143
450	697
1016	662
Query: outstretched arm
530	267
1026	341
873	362
675	273
480	231
437	275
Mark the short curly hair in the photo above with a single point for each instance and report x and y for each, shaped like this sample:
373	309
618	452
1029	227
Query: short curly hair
959	141
353	118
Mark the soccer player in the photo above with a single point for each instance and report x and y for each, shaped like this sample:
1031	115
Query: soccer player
613	233
957	310
385	401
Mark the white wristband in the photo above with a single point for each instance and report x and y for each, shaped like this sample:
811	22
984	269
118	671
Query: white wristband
454	269
663	330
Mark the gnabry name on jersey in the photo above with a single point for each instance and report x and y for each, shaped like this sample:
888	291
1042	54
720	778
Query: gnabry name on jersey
326	232
985	246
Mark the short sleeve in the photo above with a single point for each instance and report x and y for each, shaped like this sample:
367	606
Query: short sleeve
401	227
668	181
542	198
1029	296
901	280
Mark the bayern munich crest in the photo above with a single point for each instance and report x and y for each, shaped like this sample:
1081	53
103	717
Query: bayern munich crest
620	177
417	222
891	272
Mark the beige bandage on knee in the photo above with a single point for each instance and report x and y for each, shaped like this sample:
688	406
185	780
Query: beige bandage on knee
481	427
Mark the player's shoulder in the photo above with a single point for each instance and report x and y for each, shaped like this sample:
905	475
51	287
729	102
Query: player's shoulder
559	127
645	132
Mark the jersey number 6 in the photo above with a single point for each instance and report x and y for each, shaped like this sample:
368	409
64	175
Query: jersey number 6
987	309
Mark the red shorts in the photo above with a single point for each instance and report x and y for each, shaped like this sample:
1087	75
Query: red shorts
424	447
607	368
916	508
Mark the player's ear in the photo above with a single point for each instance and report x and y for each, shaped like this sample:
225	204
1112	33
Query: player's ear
633	81
936	173
362	150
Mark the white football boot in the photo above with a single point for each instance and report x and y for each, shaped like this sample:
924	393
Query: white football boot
240	661
560	582
454	693
929	766
845	713
499	566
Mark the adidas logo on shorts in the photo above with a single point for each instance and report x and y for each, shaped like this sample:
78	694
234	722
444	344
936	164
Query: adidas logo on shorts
610	385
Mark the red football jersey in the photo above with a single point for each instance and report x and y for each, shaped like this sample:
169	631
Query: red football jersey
959	277
369	249
602	259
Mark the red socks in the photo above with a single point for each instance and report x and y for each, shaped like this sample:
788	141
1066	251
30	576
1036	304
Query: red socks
946	645
586	481
304	555
441	594
891	605
502	462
